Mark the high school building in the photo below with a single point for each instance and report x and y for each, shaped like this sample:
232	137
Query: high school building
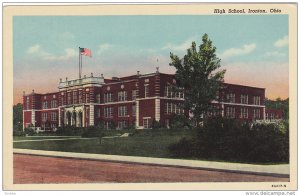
135	100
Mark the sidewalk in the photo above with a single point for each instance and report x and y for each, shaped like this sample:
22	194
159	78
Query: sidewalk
281	170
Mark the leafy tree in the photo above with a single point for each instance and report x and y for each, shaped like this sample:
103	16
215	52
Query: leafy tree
18	117
197	73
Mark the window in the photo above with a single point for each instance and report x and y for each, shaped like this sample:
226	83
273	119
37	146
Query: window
271	116
147	91
108	112
244	99
69	99
168	91
122	111
108	97
45	105
147	123
87	112
256	114
134	94
244	113
53	104
27	103
256	100
98	112
230	112
122	96
44	117
230	97
74	97
98	98
87	97
176	108
133	110
79	97
122	124
53	116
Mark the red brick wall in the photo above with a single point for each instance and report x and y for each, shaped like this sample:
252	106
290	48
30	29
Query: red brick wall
27	118
146	109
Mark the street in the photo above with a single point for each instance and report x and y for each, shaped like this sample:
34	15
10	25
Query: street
42	169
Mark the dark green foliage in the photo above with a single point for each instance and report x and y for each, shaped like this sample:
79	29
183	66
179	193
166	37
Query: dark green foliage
156	124
282	104
232	140
29	131
18	117
69	131
197	73
92	132
180	121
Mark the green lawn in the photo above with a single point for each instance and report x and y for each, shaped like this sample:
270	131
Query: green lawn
151	143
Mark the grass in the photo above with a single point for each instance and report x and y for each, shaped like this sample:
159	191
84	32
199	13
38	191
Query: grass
146	143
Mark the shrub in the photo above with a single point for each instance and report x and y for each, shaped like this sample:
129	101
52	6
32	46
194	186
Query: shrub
156	124
232	140
29	131
18	133
179	121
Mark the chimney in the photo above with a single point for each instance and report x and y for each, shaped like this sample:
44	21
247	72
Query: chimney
92	74
60	80
32	91
157	69
138	73
66	78
102	75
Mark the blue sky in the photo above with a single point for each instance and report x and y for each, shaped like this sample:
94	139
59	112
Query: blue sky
46	47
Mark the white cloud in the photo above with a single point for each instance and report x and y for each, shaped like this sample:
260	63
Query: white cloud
69	53
275	54
282	42
179	47
245	49
38	51
103	47
33	49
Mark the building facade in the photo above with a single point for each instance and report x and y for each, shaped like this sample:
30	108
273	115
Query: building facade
133	101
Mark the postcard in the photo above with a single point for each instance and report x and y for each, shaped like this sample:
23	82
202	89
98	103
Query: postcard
182	96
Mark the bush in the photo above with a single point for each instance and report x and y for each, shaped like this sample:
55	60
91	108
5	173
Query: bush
180	121
232	140
156	124
18	133
29	131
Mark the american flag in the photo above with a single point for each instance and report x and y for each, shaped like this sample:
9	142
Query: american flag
85	52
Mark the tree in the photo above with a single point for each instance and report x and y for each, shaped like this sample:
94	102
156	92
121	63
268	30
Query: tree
18	117
197	73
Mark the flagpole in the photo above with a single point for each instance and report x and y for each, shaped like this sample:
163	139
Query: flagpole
79	64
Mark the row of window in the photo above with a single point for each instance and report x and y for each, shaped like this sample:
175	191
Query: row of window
174	108
169	92
244	99
230	113
53	104
122	111
53	116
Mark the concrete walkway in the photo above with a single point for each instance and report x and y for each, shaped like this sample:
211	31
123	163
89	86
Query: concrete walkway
71	138
281	170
